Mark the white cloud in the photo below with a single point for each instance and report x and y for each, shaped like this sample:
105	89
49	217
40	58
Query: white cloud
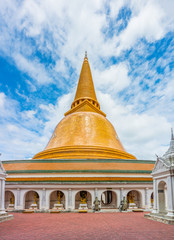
57	30
143	134
25	133
30	114
63	31
8	107
112	79
148	24
31	86
2	100
33	68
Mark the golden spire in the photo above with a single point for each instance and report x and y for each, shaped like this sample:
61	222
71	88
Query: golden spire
85	99
85	88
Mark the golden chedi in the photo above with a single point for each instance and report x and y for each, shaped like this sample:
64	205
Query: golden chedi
84	132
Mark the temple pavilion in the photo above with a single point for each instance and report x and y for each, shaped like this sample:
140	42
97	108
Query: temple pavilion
84	159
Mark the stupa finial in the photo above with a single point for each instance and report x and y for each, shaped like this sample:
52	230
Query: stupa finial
85	88
86	55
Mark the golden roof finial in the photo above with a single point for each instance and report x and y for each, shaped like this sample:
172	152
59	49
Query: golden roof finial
85	98
85	88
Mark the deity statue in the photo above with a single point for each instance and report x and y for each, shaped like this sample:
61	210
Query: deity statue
123	205
12	200
96	204
59	197
130	197
83	195
152	200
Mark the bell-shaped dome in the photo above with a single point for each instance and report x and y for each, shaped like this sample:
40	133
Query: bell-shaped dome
84	132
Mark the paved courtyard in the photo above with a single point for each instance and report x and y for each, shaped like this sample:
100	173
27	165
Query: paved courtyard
84	226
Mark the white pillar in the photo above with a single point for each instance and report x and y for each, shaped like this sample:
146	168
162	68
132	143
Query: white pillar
18	200
121	195
155	197
2	196
170	196
146	198
43	202
69	199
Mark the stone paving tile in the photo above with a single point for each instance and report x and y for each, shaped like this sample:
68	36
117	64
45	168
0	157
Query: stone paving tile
90	226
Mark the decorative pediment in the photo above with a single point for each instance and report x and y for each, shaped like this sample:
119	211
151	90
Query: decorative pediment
160	166
85	106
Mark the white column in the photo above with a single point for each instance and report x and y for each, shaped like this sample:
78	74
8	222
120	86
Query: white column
121	195
155	197
43	202
69	199
95	195
2	196
170	196
146	197
19	201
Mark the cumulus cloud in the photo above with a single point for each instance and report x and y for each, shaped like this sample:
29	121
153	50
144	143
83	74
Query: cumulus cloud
34	69
143	135
148	24
24	133
112	79
46	41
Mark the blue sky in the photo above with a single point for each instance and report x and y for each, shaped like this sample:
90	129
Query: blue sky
130	47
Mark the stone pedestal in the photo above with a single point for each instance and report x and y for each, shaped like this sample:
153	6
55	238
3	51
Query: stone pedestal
11	206
33	206
83	207
132	206
58	206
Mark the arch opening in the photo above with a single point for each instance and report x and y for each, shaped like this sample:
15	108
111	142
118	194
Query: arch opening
134	199
162	201
108	199
32	200
83	197
57	199
9	200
